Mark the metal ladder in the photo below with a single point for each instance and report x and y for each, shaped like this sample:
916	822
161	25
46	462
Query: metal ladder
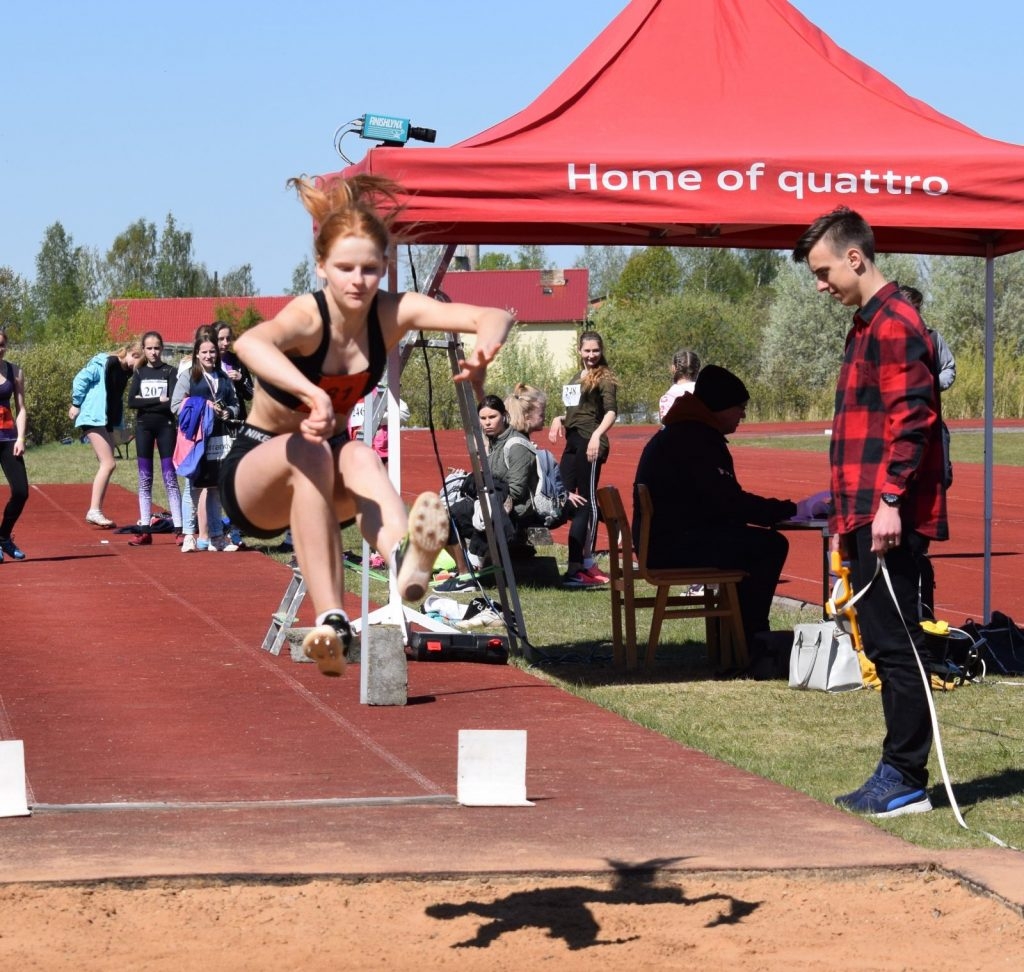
284	617
508	595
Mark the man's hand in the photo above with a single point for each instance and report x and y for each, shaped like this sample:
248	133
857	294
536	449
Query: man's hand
886	530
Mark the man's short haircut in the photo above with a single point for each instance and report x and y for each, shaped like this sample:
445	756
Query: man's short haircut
841	229
913	295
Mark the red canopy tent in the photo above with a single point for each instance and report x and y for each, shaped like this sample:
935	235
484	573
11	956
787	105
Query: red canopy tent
728	123
715	123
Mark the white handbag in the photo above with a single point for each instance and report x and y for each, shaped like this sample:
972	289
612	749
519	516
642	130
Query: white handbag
823	658
823	655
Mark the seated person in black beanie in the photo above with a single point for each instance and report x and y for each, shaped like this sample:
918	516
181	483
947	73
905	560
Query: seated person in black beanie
702	517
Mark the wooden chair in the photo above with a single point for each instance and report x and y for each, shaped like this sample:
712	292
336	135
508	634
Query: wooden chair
718	604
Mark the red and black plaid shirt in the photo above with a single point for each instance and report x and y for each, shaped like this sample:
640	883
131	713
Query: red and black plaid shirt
887	430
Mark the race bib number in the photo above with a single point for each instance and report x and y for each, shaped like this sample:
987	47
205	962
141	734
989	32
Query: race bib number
152	388
344	391
571	395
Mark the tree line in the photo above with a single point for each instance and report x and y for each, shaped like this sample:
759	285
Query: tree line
58	320
758	314
752	311
73	280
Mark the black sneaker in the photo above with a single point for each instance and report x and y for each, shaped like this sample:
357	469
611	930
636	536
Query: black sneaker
457	585
8	548
885	795
328	643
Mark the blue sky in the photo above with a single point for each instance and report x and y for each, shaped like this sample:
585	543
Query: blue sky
114	111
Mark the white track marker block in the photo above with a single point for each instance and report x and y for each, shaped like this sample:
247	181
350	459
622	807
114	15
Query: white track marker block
492	768
13	798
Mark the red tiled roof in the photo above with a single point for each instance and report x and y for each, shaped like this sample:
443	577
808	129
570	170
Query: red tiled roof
176	318
537	299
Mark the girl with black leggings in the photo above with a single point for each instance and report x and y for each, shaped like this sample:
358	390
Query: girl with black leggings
150	395
590	401
13	425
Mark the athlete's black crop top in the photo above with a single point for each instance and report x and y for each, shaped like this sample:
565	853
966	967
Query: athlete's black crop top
345	390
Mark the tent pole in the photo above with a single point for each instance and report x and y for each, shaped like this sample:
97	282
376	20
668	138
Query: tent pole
989	438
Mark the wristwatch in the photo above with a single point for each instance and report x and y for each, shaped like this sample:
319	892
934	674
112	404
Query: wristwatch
891	499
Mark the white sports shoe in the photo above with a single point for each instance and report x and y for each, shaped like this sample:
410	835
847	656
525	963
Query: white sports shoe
484	619
188	545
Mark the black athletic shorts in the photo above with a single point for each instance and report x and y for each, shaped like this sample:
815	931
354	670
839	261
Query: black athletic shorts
248	438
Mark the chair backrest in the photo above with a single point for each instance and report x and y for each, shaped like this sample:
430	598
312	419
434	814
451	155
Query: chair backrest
646	515
620	537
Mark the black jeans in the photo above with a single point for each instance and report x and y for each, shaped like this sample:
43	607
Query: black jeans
890	632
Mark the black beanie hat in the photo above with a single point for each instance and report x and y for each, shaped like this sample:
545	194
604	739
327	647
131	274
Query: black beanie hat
720	389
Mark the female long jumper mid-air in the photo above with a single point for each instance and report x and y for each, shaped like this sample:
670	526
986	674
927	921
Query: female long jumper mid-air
292	463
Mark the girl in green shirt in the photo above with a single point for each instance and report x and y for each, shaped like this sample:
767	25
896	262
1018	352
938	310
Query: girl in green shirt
590	411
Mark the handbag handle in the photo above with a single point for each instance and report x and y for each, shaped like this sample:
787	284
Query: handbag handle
803	679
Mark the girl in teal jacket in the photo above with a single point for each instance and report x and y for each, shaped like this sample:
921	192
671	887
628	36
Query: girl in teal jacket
97	407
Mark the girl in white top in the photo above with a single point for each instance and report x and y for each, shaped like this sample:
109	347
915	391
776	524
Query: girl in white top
685	365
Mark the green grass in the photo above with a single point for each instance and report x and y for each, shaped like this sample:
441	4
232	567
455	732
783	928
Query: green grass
966	445
818	744
75	463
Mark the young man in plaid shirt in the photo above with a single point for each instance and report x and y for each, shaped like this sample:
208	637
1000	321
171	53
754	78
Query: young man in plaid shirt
887	489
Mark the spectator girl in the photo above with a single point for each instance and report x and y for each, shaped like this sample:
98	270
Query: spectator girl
525	408
13	425
188	511
97	408
514	472
201	390
590	401
685	365
242	380
293	463
149	394
232	367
